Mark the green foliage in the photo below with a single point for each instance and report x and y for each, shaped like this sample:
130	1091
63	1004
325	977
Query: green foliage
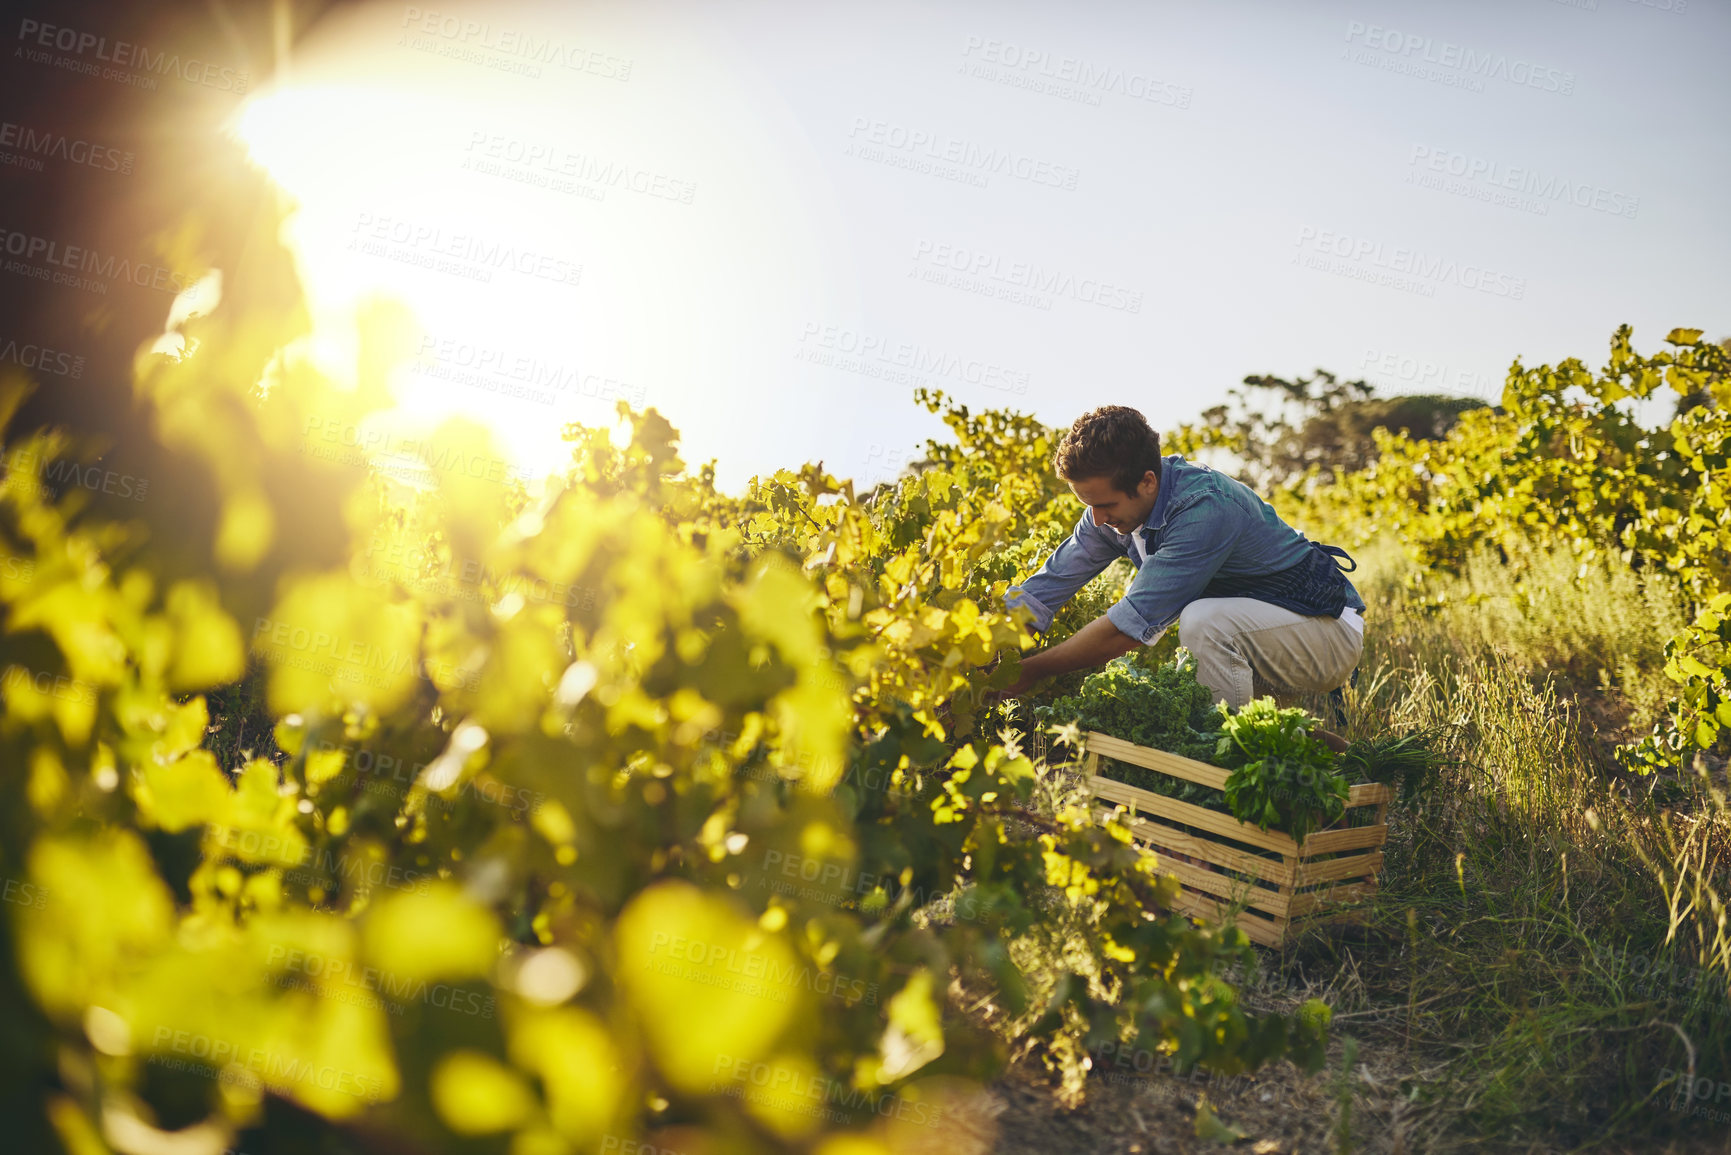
1564	463
1411	762
1615	532
1699	661
597	837
1562	460
1282	775
1558	929
1165	708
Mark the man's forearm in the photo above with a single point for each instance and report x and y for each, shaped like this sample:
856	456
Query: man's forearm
1094	644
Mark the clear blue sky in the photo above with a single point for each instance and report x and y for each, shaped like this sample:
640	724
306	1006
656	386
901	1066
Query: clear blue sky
1049	206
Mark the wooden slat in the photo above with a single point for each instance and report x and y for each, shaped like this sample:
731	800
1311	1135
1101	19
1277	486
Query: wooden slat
1364	794
1352	838
1206	894
1212	821
1303	904
1351	866
1172	840
1150	759
1368	793
1206	906
1263	931
1258	897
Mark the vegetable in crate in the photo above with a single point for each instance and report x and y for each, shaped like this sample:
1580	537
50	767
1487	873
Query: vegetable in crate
1282	776
1165	708
1410	761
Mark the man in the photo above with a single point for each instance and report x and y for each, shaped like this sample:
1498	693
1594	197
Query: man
1253	598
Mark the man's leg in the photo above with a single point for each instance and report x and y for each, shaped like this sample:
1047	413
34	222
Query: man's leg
1241	641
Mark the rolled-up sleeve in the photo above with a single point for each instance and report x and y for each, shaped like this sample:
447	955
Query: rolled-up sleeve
1077	561
1189	555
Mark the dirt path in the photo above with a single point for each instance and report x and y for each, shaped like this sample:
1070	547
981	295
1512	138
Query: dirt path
1148	1112
1279	1110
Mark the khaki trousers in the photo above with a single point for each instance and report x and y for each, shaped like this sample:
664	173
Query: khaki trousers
1245	648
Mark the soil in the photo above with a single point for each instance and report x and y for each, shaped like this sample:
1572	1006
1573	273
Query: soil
1135	1106
1281	1110
1132	1106
1278	1110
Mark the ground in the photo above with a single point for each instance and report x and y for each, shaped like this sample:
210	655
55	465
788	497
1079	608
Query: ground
1279	1111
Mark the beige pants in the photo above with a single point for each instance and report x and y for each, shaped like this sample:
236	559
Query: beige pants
1245	648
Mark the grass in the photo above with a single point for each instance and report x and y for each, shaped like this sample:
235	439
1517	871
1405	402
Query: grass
1595	623
1545	965
1524	913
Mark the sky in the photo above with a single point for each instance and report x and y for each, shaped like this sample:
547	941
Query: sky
772	221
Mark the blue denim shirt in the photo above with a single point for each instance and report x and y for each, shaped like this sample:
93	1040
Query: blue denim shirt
1209	535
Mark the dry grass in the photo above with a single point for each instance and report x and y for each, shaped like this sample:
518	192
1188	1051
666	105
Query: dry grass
1549	929
1545	967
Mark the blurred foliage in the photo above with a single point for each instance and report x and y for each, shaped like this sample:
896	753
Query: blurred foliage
602	813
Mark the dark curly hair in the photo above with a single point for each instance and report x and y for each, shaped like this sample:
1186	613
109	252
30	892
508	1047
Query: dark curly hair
1112	441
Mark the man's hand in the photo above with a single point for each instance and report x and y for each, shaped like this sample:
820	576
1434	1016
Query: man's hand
1094	644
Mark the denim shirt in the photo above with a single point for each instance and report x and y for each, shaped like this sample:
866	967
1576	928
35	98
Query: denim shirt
1209	535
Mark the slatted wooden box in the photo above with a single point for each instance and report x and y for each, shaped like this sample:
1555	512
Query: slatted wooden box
1281	883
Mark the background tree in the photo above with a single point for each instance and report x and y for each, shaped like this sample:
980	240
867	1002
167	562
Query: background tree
1273	429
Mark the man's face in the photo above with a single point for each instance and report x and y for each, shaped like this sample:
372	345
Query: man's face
1123	512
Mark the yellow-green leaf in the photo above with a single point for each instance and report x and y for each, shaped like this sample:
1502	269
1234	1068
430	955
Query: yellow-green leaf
208	649
432	935
916	1034
707	983
190	791
575	1057
246	531
475	1094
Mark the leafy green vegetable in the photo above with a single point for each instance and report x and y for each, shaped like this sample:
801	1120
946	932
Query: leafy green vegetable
1406	759
1282	775
1165	709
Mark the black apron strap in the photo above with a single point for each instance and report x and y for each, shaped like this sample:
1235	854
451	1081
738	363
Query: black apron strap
1337	553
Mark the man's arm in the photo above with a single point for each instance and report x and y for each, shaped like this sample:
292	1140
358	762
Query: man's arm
1094	644
1188	557
1078	559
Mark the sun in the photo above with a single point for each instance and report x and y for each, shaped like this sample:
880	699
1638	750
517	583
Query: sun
494	284
561	244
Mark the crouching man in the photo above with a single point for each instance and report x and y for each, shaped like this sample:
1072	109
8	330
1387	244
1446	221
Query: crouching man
1262	608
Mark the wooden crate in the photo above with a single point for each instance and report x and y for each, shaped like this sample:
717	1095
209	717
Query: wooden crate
1280	882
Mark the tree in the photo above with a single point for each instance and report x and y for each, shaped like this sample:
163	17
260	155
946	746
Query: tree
1277	432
